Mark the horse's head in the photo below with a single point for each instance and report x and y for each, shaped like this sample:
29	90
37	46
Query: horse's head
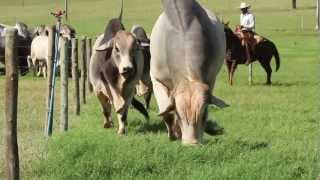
231	38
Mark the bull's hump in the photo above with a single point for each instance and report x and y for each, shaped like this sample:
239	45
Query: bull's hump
191	48
180	13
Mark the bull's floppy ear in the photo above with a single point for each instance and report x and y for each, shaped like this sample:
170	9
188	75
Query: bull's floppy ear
105	45
144	44
218	102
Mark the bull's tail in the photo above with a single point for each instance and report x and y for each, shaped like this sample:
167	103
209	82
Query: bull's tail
276	56
140	107
121	11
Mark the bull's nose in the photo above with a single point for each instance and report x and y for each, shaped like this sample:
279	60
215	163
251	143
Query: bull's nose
191	142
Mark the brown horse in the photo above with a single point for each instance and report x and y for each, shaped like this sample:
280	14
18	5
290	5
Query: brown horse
263	51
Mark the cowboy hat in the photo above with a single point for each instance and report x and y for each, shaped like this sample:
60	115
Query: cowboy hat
244	5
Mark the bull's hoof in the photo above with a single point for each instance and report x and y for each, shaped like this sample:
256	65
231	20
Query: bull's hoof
172	137
212	128
122	132
108	125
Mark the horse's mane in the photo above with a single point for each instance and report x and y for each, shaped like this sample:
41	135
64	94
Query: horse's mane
231	37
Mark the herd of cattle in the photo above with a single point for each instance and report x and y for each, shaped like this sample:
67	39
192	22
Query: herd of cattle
187	48
32	45
179	64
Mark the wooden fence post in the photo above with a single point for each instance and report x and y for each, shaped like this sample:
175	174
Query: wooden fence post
75	74
84	69
66	9
294	4
89	52
317	15
51	48
11	154
302	23
64	74
250	74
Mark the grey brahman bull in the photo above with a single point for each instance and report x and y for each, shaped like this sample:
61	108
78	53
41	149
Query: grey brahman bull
115	68
24	39
144	87
187	52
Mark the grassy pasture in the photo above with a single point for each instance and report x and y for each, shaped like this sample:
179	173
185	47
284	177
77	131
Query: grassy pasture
271	132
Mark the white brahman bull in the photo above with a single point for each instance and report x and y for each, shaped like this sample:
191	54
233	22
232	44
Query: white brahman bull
187	51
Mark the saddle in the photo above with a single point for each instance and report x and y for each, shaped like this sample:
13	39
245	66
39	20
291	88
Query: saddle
250	37
249	40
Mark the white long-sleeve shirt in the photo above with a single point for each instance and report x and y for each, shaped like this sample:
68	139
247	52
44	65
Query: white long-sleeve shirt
248	21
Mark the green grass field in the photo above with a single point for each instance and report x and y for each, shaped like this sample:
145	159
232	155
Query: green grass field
271	132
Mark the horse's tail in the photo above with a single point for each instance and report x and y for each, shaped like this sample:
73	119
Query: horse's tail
276	55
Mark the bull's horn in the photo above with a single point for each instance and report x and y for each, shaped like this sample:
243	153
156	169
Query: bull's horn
218	102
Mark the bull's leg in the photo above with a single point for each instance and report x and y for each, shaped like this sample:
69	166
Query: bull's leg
40	68
31	65
174	131
39	71
166	108
122	121
147	98
106	108
44	71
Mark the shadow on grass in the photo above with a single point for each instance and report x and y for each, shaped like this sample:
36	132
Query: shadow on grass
286	84
155	127
212	128
252	145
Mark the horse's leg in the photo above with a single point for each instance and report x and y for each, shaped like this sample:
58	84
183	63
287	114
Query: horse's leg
233	68
267	67
229	70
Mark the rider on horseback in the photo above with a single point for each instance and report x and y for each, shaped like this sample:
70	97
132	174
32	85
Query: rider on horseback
247	23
